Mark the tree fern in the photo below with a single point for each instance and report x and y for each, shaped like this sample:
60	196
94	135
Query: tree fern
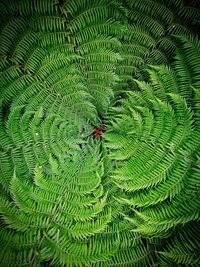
128	196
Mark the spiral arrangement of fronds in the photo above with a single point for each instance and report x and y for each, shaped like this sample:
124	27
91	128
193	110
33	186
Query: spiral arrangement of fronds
130	197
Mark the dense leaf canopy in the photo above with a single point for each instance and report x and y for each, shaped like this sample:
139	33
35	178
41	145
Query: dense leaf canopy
128	197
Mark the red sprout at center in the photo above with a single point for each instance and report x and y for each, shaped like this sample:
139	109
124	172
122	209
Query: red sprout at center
98	130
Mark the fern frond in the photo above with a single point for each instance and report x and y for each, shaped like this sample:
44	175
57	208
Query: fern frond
179	251
152	8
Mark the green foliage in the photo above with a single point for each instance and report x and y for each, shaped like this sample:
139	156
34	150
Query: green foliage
66	207
131	196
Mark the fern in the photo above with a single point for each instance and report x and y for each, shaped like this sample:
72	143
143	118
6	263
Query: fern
129	197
